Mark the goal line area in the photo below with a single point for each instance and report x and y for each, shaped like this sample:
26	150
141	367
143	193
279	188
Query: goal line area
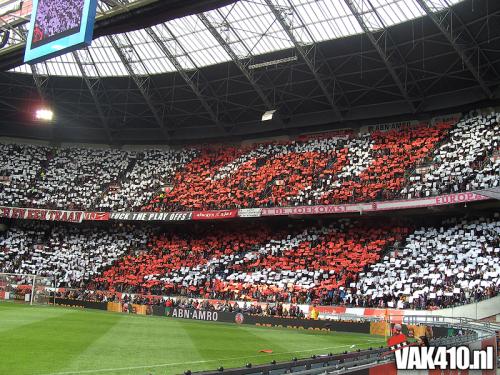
27	288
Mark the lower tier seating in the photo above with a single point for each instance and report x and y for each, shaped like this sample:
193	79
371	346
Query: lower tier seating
437	266
351	262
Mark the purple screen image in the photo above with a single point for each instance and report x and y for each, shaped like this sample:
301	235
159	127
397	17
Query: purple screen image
57	18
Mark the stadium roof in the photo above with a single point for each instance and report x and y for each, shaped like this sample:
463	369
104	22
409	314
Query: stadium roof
248	26
322	64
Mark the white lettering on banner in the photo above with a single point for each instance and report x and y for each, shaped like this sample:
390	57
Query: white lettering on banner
151	216
249	212
195	314
376	206
180	216
459	198
39	214
120	216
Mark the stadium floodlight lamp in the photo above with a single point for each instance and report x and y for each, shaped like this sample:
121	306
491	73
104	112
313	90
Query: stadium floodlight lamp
268	115
44	114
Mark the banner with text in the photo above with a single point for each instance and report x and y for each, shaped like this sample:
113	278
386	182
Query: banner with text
38	214
249	212
214	215
79	216
376	206
151	216
97	216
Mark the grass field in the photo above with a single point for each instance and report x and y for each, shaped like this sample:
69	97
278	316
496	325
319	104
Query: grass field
47	340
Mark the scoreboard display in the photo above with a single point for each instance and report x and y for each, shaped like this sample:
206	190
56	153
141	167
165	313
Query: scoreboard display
58	27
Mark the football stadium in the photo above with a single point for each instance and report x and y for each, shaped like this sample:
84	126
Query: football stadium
249	187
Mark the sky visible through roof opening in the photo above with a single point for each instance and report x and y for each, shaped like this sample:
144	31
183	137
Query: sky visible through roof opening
247	26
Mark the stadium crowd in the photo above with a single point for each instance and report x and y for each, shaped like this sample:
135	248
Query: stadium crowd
455	263
353	263
434	158
253	264
72	255
467	161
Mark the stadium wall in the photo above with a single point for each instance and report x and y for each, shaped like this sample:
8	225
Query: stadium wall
480	310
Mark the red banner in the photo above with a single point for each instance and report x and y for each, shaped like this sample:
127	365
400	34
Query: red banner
214	215
46	215
97	216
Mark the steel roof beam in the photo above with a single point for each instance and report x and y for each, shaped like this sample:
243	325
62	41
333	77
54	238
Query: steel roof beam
438	19
248	75
143	83
305	54
359	18
92	85
191	78
472	38
40	81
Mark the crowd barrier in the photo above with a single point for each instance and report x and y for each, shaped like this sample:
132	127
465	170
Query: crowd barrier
81	304
365	327
378	328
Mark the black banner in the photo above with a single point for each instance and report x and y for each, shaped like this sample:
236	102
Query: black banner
322	325
204	315
438	331
151	216
265	321
159	311
81	304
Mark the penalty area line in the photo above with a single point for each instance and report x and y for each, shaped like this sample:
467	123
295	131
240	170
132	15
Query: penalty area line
188	363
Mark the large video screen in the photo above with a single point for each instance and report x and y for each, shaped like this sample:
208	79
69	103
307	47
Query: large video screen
58	27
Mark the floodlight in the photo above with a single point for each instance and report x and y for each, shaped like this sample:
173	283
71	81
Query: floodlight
44	114
268	116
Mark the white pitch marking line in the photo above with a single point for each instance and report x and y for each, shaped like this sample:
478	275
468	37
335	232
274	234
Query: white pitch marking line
190	363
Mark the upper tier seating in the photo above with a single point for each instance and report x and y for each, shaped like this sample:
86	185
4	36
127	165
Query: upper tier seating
20	167
149	172
75	178
405	163
463	161
395	153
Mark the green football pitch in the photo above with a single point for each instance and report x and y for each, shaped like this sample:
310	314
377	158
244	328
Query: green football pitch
63	341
